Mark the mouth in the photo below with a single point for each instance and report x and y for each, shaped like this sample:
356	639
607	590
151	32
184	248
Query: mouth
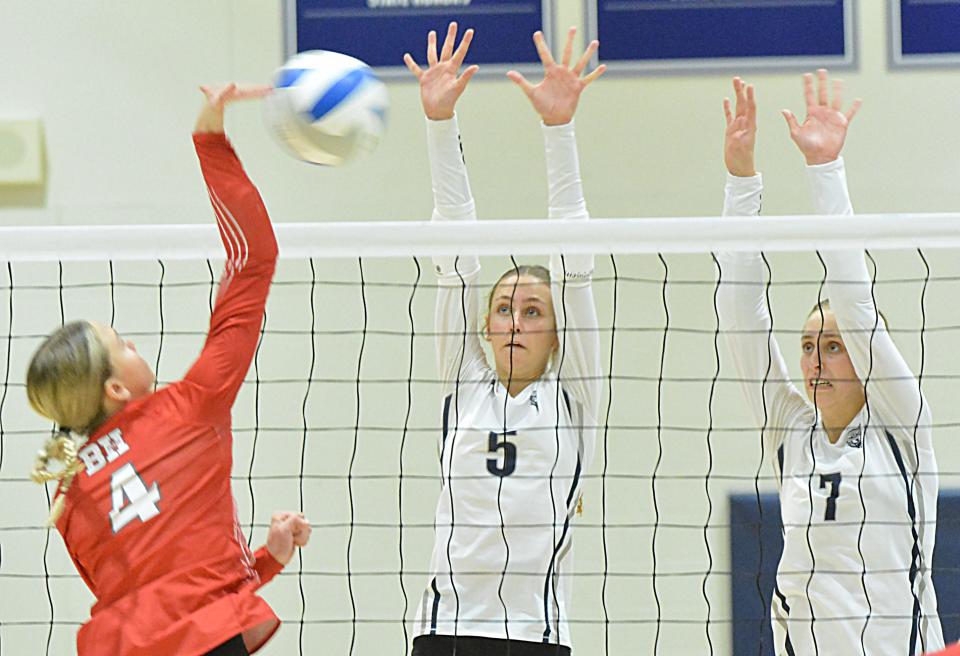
513	345
814	383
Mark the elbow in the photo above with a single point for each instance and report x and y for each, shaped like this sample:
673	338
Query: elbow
271	250
264	254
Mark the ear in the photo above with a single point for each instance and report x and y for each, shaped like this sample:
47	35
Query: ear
114	390
486	327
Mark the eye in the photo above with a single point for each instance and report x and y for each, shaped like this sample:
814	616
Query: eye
503	308
533	312
807	347
834	347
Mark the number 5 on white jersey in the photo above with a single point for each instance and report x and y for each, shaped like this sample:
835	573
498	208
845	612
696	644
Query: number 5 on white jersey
127	484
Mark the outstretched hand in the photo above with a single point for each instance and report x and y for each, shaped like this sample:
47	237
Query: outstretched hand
820	137
217	97
442	84
288	530
555	98
741	135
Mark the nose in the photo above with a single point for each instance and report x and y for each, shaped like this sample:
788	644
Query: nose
517	321
131	345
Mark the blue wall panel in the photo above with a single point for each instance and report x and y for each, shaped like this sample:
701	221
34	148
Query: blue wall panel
380	31
696	33
925	31
751	538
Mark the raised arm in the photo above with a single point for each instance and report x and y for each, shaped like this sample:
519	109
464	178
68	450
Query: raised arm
555	100
745	320
892	392
458	300
251	251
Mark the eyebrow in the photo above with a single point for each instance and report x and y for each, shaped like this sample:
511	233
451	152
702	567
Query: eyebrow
829	333
535	299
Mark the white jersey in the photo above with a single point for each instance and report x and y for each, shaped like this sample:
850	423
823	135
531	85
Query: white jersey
512	467
859	515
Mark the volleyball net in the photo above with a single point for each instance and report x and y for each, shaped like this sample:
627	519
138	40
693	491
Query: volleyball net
340	414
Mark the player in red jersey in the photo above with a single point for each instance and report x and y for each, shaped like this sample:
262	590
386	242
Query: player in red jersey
144	503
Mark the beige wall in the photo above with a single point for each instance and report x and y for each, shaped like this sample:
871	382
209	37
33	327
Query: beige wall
115	86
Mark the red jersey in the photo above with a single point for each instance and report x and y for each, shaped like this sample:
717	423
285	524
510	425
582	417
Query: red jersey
150	522
953	650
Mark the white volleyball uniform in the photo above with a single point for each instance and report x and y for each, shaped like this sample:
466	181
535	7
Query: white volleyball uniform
859	516
512	467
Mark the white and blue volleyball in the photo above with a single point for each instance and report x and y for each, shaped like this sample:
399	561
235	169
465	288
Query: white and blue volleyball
327	107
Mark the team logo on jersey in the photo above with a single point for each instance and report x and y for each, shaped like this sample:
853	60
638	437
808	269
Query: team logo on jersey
855	437
533	400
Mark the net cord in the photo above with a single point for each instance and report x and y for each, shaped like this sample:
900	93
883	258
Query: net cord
256	428
863	464
46	492
552	569
403	442
916	426
303	449
656	467
353	459
706	482
527	237
504	431
606	462
3	397
765	608
813	458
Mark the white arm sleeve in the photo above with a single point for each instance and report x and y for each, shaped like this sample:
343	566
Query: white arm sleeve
893	393
578	360
747	326
458	300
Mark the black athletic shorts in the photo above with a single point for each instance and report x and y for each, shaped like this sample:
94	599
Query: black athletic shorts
232	647
441	645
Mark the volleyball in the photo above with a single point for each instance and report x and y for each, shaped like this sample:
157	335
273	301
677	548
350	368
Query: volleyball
327	107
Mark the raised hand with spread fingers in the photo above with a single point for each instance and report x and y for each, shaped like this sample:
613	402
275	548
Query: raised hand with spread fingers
442	83
555	97
821	135
741	136
218	97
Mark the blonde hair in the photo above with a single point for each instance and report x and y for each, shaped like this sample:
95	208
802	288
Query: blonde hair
824	306
541	273
65	382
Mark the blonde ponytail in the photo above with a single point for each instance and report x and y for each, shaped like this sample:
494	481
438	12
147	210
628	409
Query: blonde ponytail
63	448
65	383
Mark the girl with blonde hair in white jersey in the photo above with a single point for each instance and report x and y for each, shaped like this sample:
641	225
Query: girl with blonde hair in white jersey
516	437
853	453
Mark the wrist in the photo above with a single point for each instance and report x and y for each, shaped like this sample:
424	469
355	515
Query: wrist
279	558
741	167
832	165
818	159
439	115
210	119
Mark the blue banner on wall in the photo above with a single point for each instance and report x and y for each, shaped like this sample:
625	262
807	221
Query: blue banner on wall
756	542
925	32
650	35
380	31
